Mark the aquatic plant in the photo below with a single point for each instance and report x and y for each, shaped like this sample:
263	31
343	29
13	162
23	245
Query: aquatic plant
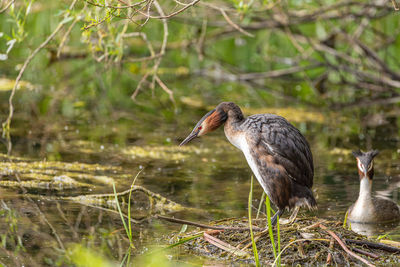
253	243
127	225
277	250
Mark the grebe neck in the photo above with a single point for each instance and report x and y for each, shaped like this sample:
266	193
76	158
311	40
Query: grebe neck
365	188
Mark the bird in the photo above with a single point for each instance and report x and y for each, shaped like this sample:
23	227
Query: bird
369	209
277	153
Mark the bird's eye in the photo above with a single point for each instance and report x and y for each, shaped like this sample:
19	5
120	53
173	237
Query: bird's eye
200	127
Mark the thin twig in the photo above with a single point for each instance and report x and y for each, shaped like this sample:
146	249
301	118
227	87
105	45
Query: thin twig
234	25
7	123
166	89
7	6
374	245
351	253
228	19
180	221
329	258
366	253
173	13
116	7
223	245
139	86
64	38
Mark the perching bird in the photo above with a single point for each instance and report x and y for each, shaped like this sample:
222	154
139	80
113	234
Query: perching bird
368	209
276	151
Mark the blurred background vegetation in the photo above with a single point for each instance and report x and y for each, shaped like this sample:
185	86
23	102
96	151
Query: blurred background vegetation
88	77
110	58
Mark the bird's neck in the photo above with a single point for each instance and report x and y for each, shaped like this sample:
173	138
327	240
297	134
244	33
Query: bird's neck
365	189
233	112
232	127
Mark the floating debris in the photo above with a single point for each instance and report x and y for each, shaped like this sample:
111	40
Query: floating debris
59	183
54	175
143	201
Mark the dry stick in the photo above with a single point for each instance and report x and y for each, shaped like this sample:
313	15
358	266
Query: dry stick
234	25
329	258
247	240
351	253
138	87
180	221
277	73
374	245
162	52
116	7
223	245
7	6
371	54
7	123
173	13
296	241
228	19
366	253
64	38
166	89
145	39
148	13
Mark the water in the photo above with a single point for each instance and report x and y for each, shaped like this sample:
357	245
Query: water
209	175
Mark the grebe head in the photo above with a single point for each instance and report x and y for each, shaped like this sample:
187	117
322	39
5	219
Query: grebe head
211	121
365	163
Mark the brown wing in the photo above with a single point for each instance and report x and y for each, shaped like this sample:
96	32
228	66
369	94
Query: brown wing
386	210
278	138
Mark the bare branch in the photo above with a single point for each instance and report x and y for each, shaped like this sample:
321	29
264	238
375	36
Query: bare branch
7	123
7	6
148	16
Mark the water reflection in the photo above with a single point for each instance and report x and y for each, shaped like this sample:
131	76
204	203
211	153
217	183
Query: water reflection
211	175
372	229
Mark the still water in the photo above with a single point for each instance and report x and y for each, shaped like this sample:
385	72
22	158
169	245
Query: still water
211	177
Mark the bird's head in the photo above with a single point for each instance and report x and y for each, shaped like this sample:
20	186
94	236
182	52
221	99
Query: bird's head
211	121
365	163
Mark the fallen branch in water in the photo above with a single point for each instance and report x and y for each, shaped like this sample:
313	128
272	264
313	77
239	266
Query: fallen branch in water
345	248
180	221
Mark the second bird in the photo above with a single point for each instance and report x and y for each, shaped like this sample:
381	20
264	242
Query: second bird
276	151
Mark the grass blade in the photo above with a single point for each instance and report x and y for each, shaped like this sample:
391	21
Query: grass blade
278	236
260	205
271	234
121	214
129	209
253	243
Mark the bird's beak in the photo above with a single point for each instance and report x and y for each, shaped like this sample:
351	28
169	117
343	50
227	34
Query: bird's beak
364	171
190	137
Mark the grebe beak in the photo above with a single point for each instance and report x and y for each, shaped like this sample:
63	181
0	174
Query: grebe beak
190	137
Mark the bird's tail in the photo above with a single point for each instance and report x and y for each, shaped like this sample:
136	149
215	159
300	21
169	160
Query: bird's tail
303	196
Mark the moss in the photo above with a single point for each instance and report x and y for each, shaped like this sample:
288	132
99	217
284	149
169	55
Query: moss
55	175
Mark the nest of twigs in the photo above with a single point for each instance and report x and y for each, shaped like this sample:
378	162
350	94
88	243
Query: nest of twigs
307	241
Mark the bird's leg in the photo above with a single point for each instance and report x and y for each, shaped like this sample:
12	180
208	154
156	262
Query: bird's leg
274	219
294	214
292	217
